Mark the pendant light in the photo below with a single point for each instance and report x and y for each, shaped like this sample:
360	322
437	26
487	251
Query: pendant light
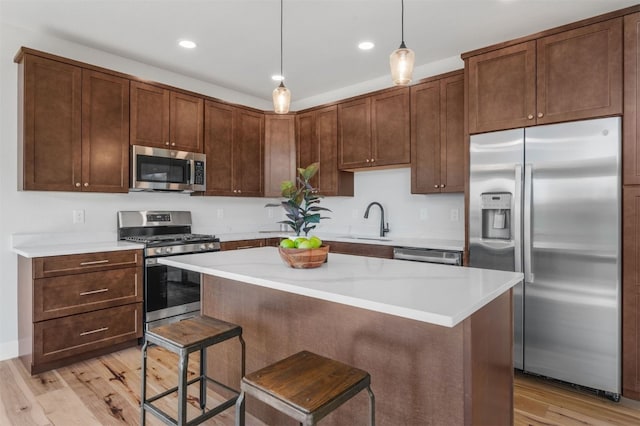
401	61
281	95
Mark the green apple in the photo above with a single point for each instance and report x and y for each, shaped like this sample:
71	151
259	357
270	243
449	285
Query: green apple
299	240
315	241
306	244
287	243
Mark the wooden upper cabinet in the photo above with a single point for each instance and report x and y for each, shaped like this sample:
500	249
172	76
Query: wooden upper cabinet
280	152
374	130
502	86
390	118
630	122
166	119
572	75
248	153
317	141
76	128
218	147
51	125
580	73
437	135
234	146
105	132
354	133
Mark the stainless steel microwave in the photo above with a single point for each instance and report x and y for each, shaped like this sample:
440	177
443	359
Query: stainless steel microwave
157	169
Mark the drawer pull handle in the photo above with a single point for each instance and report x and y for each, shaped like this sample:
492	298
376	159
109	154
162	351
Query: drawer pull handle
86	293
95	262
244	247
97	330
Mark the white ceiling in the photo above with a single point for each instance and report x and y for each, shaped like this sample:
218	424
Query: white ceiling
238	40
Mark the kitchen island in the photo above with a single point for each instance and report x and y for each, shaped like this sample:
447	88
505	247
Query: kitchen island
436	339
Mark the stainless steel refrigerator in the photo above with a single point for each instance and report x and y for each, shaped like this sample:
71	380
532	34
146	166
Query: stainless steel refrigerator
545	201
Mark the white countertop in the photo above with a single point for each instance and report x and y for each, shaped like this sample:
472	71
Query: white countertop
431	243
60	244
431	293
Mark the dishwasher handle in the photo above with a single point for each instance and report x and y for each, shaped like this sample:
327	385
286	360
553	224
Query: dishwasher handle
428	255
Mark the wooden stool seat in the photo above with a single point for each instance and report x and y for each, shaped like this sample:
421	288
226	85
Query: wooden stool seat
183	338
305	386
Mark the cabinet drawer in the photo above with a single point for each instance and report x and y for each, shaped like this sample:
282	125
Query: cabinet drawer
73	294
241	244
356	249
52	266
65	337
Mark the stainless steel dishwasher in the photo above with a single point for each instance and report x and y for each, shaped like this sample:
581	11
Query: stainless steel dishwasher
447	257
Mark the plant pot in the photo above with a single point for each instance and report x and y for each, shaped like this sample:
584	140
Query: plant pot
304	258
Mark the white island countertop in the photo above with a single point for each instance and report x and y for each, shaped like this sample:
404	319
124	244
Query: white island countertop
436	294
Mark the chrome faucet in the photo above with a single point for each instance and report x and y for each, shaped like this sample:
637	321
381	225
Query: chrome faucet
383	229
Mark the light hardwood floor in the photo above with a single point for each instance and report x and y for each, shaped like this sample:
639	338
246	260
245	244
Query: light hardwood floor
106	391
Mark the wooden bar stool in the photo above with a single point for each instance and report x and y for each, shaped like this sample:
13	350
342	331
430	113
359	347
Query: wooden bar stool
306	387
182	338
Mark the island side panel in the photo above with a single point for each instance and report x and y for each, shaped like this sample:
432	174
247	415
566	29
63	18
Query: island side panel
417	369
489	363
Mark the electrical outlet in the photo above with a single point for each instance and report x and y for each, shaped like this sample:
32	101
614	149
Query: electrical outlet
78	216
424	215
455	215
270	213
220	213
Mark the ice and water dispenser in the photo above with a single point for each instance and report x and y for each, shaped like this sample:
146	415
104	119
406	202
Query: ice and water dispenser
496	215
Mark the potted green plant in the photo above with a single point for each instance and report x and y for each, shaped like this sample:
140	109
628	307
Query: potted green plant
302	201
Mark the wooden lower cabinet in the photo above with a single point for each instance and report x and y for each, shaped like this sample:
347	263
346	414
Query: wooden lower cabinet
242	244
75	307
631	292
369	250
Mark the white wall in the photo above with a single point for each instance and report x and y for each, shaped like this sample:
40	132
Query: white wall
34	211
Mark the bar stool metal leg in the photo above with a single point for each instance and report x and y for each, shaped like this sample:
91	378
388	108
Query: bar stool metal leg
203	378
143	392
182	388
240	410
372	407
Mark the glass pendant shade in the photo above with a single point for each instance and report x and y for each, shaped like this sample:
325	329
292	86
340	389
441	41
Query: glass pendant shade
401	61
281	99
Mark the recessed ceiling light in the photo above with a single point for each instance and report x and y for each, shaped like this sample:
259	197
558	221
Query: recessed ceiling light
366	45
277	77
187	44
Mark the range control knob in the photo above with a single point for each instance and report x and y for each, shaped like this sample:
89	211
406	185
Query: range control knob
158	251
168	250
203	246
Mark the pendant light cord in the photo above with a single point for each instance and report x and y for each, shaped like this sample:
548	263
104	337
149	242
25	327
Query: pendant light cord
281	36
402	20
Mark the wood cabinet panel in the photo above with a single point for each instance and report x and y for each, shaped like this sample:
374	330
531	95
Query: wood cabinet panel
70	336
570	75
186	123
630	122
437	135
51	125
166	119
579	73
105	133
248	153
242	244
280	152
67	295
317	140
234	146
356	249
354	133
218	140
452	151
149	115
390	118
502	88
52	266
631	293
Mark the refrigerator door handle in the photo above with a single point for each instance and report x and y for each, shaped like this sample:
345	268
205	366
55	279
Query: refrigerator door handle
528	266
517	222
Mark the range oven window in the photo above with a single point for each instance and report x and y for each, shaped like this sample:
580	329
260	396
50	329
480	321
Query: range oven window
168	287
161	169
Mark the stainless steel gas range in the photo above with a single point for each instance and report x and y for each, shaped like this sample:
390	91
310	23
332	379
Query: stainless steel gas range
170	294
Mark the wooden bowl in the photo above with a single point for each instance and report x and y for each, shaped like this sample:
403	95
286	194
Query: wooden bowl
304	258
